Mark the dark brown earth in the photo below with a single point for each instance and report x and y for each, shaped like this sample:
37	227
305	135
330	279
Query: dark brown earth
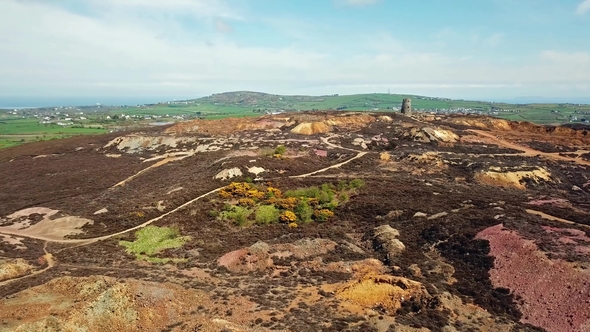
460	201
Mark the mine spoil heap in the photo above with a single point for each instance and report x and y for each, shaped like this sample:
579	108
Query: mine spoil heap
303	221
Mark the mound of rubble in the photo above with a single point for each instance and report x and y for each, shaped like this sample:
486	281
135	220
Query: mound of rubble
106	304
498	176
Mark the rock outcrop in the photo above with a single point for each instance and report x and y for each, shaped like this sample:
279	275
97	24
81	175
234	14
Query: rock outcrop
229	173
385	239
429	134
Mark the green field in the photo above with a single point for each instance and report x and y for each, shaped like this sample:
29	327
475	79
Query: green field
16	131
25	127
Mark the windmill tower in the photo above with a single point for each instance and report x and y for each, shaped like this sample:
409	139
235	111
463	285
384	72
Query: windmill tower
407	106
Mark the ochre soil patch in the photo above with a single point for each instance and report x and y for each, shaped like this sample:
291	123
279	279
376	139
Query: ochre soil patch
386	291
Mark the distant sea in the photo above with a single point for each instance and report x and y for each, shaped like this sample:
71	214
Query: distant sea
35	102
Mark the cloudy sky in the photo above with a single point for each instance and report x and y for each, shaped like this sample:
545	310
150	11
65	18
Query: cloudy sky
484	49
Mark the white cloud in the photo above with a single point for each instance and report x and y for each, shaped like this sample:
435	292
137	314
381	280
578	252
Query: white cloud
360	2
583	7
222	26
575	58
494	40
453	39
199	8
58	52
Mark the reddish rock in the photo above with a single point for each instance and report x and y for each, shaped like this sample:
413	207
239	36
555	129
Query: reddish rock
555	295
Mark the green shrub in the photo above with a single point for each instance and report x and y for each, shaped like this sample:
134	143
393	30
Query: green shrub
328	187
311	192
280	150
330	206
267	214
356	184
343	197
326	196
213	213
304	211
342	185
237	214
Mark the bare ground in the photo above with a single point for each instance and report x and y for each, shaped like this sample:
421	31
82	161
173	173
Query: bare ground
440	208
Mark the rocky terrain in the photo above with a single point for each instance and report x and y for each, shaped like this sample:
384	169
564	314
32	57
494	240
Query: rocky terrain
324	221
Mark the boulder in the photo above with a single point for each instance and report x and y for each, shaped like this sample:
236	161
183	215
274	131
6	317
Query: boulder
101	211
385	239
227	174
256	170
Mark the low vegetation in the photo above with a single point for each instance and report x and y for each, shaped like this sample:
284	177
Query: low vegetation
152	240
245	203
280	151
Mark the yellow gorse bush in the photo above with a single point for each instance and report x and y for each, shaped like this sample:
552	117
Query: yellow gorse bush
288	217
247	202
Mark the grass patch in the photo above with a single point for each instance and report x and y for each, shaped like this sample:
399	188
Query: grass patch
152	240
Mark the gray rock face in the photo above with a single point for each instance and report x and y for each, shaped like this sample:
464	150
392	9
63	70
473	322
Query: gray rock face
386	240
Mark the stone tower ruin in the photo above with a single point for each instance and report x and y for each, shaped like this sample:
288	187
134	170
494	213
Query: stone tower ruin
407	106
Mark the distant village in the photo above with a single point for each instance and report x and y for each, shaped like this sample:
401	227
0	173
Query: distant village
96	116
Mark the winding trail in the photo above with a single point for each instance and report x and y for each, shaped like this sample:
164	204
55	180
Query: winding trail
528	152
360	154
326	140
50	264
158	164
550	217
105	237
81	242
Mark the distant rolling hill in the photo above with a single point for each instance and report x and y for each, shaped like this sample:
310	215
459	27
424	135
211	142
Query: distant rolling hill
259	102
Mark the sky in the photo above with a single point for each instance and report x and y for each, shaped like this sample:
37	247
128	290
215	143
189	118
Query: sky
179	49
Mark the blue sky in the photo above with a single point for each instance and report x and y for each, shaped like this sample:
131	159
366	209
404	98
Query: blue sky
166	49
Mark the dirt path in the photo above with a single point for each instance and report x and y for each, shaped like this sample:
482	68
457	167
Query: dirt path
92	240
550	217
526	151
50	264
327	142
158	164
360	154
81	242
